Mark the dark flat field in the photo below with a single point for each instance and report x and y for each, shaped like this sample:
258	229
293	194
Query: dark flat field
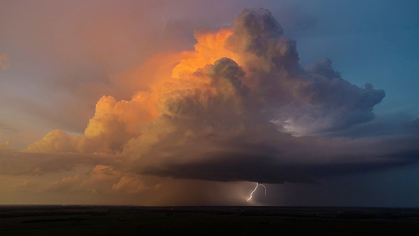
128	220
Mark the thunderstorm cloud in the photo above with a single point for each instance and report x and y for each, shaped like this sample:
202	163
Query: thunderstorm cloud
239	107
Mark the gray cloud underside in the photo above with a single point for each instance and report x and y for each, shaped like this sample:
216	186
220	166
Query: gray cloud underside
309	160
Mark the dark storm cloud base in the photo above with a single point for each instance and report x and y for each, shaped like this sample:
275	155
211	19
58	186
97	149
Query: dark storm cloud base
127	220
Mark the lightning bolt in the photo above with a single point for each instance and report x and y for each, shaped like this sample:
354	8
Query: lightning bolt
254	190
264	188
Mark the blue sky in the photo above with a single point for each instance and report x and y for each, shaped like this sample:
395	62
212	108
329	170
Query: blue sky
369	41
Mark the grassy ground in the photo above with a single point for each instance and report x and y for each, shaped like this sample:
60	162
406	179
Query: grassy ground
103	220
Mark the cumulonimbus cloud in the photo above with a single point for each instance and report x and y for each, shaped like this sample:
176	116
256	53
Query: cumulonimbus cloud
238	107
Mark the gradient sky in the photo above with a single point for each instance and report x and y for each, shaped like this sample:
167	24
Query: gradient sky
106	102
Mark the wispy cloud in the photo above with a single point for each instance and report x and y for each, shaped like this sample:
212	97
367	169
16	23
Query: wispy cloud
4	62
